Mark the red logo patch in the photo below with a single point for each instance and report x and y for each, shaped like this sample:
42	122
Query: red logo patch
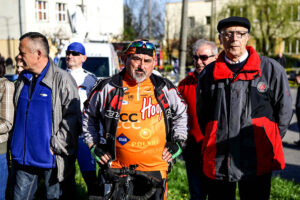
262	87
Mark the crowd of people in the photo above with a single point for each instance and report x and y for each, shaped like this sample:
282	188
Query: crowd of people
227	118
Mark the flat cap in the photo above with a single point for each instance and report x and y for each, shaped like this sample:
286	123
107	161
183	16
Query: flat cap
234	21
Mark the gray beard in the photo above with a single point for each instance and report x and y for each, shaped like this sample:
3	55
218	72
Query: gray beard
139	78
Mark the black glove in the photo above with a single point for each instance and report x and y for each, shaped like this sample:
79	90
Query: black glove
98	150
174	148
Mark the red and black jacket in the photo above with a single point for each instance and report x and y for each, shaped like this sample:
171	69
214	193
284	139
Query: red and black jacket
243	117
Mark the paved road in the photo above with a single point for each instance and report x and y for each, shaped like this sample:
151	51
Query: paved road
291	151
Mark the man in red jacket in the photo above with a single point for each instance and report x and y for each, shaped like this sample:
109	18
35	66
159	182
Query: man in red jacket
244	108
204	52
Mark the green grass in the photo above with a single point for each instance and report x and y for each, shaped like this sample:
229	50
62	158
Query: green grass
178	186
281	189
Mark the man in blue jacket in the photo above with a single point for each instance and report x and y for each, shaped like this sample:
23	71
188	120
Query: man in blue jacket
47	121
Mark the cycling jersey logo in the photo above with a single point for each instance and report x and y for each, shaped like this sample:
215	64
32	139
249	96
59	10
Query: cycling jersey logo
149	110
112	114
124	102
128	121
145	133
122	139
262	87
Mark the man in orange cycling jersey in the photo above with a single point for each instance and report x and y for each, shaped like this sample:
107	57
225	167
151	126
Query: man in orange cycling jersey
142	117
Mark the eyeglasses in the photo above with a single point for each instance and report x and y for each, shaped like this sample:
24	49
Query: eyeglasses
142	43
229	34
202	57
74	53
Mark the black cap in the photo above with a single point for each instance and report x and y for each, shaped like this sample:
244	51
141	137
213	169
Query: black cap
234	21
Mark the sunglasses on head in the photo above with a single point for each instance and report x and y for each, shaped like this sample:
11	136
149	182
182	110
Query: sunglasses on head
143	43
202	57
74	53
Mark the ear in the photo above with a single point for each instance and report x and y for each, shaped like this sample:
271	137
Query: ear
155	62
39	53
216	56
248	37
83	58
220	39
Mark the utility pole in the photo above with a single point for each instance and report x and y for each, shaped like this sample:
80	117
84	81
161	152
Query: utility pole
183	39
82	6
20	17
149	20
212	20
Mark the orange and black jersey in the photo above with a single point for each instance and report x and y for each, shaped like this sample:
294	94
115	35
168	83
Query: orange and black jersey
105	107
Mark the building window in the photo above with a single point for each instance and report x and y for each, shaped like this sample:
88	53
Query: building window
208	20
298	14
291	46
61	12
41	10
191	22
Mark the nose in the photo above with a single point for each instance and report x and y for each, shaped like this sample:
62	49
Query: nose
19	56
200	62
141	64
234	36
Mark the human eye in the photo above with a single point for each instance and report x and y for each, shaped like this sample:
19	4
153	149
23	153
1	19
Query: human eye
148	60
135	58
239	34
228	33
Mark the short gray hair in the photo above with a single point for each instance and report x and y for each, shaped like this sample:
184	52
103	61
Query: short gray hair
202	42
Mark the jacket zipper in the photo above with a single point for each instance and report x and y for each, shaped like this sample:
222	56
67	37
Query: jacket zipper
26	120
228	125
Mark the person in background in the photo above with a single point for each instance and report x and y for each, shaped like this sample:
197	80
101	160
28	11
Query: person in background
298	107
10	69
75	57
204	52
143	116
244	108
47	121
6	123
56	58
281	59
19	65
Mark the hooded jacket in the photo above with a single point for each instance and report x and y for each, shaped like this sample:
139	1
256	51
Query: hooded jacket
243	117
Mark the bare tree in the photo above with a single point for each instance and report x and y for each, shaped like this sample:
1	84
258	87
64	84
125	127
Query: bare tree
139	21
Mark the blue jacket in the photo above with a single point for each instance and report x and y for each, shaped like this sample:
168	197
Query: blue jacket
31	136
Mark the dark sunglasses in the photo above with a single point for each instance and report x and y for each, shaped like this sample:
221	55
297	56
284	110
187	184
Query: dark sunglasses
74	53
202	57
142	43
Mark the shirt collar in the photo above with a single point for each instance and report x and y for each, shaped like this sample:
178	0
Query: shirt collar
75	71
242	58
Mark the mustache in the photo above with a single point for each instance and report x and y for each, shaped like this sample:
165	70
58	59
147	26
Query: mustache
140	70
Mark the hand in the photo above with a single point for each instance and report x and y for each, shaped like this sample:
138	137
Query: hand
166	155
100	155
104	159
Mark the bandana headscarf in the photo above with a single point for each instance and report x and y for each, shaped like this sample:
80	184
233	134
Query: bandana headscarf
141	47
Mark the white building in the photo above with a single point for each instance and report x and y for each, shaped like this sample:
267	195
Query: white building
101	20
202	17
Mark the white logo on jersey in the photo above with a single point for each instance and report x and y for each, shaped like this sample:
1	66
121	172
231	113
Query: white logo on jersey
150	109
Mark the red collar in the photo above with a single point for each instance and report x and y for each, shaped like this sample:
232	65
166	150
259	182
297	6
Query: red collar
250	71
